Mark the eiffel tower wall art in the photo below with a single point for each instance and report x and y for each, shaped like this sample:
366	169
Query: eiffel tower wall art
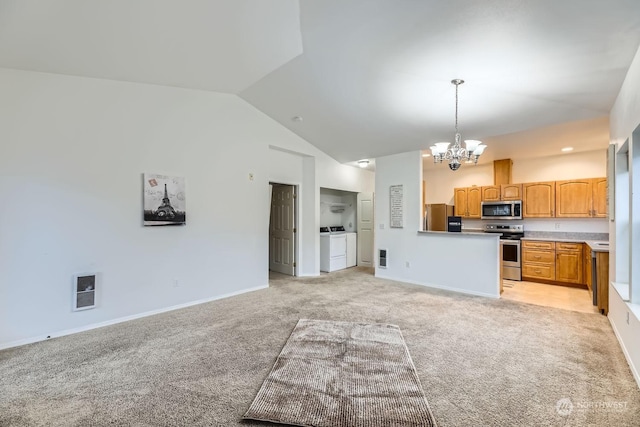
164	200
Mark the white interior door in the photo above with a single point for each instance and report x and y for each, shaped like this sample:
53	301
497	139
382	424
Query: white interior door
365	229
282	230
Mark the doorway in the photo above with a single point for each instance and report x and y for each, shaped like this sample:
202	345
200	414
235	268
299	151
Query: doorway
282	229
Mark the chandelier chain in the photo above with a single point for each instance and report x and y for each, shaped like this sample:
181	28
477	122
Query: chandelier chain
457	108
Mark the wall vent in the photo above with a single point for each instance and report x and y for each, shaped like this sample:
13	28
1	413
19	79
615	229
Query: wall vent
382	258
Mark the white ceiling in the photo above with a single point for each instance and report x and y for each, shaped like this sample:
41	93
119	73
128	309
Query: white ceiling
368	77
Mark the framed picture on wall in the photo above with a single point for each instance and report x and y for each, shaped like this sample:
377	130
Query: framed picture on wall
84	291
164	200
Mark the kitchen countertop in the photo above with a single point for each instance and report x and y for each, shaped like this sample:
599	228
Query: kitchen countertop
461	233
598	246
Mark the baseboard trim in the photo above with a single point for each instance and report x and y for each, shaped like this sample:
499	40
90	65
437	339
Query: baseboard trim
634	371
445	288
91	326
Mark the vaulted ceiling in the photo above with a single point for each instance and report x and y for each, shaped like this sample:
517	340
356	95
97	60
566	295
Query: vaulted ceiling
366	77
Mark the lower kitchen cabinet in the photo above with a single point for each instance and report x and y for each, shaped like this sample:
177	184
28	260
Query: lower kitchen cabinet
557	262
538	260
587	266
602	271
569	263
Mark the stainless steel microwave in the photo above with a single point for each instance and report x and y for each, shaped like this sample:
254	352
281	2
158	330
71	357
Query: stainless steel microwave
511	209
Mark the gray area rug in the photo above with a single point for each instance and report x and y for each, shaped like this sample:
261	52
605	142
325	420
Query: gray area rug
335	374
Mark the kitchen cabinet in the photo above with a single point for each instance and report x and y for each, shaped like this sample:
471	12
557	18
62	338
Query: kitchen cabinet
511	192
538	199
490	193
569	262
495	193
574	198
547	261
599	188
581	198
502	171
587	265
538	260
467	202
602	271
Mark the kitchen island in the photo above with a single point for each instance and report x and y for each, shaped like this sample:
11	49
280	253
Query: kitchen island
467	262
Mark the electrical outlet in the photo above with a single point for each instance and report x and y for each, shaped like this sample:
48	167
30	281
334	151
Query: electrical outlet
407	264
250	177
557	226
381	226
176	283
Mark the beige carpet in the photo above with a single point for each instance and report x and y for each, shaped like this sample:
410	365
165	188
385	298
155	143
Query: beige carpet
343	374
481	362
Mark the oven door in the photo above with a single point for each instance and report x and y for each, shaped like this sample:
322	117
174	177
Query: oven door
510	253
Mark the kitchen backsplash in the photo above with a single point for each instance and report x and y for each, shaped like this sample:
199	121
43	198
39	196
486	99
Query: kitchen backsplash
552	225
559	235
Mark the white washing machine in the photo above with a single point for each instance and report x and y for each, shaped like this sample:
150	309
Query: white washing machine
333	249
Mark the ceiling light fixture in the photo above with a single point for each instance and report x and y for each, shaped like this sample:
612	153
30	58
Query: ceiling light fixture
455	154
567	149
363	163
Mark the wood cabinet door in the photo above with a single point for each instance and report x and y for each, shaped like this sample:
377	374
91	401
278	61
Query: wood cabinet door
539	199
491	193
587	265
602	265
573	198
599	188
569	267
511	191
460	202
474	196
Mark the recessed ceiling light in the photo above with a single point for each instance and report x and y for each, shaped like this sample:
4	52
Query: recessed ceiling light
296	118
567	149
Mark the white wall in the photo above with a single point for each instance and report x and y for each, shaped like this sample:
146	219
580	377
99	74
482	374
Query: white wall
73	151
347	217
434	259
441	181
623	120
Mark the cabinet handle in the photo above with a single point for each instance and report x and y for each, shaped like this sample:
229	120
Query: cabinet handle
537	271
537	256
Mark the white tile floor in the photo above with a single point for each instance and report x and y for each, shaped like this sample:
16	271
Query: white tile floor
565	297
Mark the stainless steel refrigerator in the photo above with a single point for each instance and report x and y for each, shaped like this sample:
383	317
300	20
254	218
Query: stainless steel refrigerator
436	216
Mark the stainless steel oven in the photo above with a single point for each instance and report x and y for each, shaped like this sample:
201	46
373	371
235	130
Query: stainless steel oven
510	249
511	260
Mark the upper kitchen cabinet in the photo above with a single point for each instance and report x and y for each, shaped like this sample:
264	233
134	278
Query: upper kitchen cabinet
494	193
539	199
573	198
467	201
599	187
511	191
581	198
490	193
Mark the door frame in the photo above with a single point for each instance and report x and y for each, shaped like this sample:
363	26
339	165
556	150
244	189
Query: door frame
296	237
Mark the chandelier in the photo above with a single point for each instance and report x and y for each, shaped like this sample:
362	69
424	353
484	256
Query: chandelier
456	153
